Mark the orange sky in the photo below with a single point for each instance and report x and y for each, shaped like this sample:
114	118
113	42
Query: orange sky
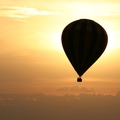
31	57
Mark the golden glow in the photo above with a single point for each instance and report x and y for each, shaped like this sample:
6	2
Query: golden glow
113	43
30	43
56	43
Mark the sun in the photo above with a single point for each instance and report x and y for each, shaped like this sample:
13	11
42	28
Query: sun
56	43
113	42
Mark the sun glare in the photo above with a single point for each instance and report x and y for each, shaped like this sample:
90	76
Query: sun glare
56	44
56	41
113	43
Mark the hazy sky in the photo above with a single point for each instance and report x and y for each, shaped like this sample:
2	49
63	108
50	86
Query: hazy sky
31	56
37	81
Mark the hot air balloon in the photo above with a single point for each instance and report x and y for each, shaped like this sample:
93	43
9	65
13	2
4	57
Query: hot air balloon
83	41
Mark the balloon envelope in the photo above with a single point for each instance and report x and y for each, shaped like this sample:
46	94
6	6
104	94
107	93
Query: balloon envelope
83	41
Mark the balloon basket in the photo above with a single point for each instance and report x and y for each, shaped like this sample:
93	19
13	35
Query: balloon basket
79	79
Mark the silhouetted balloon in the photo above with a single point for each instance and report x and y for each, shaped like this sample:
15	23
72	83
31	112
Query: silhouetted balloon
83	41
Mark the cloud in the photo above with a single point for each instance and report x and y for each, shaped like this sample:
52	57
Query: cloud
22	12
66	107
75	89
96	9
82	89
63	89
